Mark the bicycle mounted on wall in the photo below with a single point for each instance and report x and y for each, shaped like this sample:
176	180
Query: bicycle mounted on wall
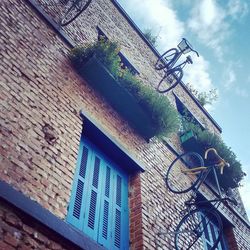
166	62
186	173
73	9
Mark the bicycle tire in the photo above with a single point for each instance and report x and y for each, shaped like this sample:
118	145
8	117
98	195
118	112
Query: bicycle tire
179	182
175	74
165	59
194	226
64	21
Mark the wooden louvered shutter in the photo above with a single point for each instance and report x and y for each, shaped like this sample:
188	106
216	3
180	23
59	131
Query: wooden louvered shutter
99	201
120	217
114	220
106	208
75	214
93	198
211	234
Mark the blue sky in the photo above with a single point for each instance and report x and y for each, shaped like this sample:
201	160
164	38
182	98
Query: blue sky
220	32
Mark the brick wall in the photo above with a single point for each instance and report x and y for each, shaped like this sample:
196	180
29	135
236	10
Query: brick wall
19	231
39	87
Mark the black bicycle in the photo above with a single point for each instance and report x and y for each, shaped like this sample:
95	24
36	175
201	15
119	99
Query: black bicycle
187	172
173	75
73	8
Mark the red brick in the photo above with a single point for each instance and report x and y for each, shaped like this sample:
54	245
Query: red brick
13	220
24	247
5	246
11	239
28	229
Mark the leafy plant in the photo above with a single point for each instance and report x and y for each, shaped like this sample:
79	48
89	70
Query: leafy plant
163	115
148	33
105	51
205	139
204	97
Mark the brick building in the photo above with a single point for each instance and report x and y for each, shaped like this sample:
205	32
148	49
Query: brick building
59	136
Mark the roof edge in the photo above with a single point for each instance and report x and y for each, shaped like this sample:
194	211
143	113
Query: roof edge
201	107
154	50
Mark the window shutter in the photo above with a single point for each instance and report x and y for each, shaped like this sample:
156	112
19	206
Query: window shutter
93	198
106	208
210	235
120	227
114	221
99	200
79	190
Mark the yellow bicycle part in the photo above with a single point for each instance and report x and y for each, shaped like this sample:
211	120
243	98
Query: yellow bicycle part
194	171
219	162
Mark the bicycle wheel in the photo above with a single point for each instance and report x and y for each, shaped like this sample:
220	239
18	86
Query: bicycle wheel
170	80
73	9
195	226
177	180
166	59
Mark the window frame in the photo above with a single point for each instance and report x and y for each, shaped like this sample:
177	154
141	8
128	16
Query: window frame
222	245
124	61
109	231
182	109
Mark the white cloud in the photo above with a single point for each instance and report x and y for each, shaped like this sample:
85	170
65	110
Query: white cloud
197	74
158	16
231	78
248	79
237	9
212	23
208	23
230	81
241	92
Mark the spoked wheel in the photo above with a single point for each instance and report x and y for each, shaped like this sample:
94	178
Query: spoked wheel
178	180
195	225
73	8
167	59
171	78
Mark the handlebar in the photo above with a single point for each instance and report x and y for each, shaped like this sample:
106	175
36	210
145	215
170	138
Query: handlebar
196	52
217	160
185	47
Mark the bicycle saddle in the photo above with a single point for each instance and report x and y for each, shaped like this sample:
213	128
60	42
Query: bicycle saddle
215	159
189	60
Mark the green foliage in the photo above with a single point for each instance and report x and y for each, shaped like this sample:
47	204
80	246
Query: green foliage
164	116
106	52
148	33
205	139
204	97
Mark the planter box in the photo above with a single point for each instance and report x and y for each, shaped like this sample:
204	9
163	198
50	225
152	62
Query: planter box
95	73
189	142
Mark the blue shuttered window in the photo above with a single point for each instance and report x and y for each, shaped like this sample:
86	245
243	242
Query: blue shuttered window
210	235
99	200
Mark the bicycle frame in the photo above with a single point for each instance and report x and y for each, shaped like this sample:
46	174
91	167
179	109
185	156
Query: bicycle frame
181	65
172	62
208	169
200	212
177	53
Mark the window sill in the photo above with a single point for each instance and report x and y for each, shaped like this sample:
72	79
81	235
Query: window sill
47	219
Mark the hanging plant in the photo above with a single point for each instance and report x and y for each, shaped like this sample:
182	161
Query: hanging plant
199	140
149	112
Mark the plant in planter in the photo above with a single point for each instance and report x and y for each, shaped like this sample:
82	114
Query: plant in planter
150	113
204	139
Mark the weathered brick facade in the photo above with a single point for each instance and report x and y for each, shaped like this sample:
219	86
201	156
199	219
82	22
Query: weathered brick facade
40	88
18	231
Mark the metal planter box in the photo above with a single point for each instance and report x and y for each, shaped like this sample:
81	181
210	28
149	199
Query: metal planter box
189	142
99	77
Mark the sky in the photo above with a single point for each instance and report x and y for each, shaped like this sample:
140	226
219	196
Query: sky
220	31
